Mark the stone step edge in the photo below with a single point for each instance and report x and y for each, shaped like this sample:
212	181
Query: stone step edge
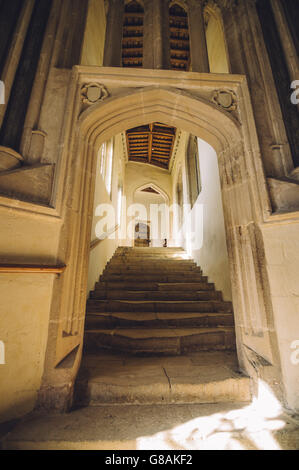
214	304
180	332
166	302
183	314
172	296
101	287
230	389
139	290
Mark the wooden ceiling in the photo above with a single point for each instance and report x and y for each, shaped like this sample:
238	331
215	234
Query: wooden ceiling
152	144
132	42
179	39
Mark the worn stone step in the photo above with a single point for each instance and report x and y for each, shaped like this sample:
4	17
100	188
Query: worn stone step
160	341
150	269
157	306
154	277
202	377
142	266
154	286
103	294
158	256
154	257
188	286
156	261
151	260
148	250
157	320
153	265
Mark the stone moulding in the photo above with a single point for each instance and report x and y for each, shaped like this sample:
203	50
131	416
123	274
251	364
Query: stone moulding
32	209
9	159
29	183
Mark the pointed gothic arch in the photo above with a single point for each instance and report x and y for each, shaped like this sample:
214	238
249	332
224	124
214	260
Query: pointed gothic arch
240	169
155	187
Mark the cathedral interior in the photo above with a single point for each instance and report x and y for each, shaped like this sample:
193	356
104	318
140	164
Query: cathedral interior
149	240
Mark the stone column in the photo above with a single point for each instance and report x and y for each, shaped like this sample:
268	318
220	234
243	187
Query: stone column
15	52
33	138
290	52
197	33
156	37
248	55
114	33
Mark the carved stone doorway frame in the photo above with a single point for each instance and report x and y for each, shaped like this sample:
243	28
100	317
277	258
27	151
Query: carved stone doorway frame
215	107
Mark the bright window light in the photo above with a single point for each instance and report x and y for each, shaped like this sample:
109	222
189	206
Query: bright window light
108	179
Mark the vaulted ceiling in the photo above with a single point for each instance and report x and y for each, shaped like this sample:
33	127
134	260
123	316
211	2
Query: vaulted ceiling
151	144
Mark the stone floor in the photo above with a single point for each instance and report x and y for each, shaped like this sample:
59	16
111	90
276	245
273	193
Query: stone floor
145	417
159	427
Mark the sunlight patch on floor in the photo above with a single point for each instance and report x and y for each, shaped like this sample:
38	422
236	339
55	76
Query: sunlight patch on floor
250	427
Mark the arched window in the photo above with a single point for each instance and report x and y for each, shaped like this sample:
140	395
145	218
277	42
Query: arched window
217	51
106	163
179	199
193	171
119	202
179	38
132	42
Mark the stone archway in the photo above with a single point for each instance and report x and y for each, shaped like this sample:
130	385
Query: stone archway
156	188
189	102
158	197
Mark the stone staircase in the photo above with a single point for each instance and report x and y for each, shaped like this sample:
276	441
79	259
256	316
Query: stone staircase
156	301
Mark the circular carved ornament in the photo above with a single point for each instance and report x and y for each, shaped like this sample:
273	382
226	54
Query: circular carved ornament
227	99
92	93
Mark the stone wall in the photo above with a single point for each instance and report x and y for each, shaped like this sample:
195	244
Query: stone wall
103	251
208	245
27	236
282	263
